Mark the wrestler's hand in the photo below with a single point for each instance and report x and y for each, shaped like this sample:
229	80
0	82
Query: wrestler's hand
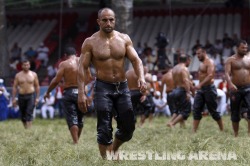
188	96
47	95
143	98
36	101
232	87
14	103
198	87
83	102
142	85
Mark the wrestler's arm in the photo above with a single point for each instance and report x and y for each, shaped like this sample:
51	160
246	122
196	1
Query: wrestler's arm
56	80
186	76
163	83
228	73
14	90
37	88
136	62
83	74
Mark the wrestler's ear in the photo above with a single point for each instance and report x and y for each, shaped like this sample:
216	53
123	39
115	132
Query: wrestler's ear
98	21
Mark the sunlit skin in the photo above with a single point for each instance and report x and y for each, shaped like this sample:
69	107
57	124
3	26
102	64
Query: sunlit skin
206	74
181	79
67	71
106	50
206	69
26	82
237	72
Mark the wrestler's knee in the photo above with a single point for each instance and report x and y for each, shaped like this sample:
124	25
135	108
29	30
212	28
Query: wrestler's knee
216	116
235	118
185	114
125	134
197	115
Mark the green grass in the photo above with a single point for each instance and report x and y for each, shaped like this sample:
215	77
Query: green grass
49	143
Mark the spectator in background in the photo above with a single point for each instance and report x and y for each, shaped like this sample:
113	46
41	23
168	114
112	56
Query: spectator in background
218	62
155	83
48	105
224	86
42	54
51	72
235	39
209	47
4	96
227	51
33	64
160	105
30	53
218	46
59	96
222	102
177	56
13	67
139	49
15	52
14	112
227	40
150	59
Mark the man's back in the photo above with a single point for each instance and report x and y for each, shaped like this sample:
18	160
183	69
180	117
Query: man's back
180	75
168	80
132	79
70	70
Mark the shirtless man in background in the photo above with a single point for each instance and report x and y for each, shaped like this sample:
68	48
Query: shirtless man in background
26	84
106	50
181	91
167	79
67	72
206	91
237	72
139	99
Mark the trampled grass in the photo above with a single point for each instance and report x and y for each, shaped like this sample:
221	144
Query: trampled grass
48	143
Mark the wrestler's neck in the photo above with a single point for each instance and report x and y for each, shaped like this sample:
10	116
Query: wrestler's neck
26	71
107	35
71	56
240	55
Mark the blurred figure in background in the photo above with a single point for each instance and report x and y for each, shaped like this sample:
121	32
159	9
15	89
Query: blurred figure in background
4	97
48	105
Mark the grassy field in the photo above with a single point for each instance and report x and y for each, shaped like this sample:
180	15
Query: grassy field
49	143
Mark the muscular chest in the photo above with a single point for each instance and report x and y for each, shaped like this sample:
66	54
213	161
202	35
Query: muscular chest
26	79
202	68
241	64
114	49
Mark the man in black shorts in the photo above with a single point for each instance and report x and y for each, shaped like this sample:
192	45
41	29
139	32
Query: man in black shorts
207	93
139	99
181	92
27	84
68	72
107	50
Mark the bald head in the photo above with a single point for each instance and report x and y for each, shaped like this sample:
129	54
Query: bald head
100	12
106	20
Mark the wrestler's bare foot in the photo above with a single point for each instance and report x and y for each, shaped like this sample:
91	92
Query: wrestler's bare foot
170	125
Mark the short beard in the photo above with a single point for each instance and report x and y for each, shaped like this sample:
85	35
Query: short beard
108	31
241	54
